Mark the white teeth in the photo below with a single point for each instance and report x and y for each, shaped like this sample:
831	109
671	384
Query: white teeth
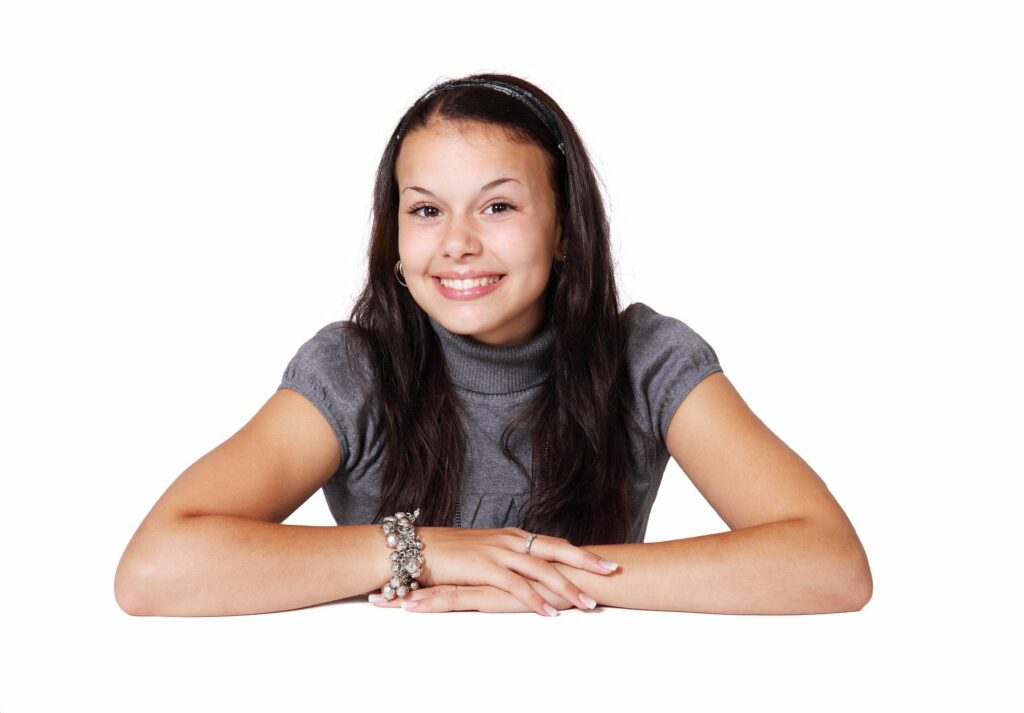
466	284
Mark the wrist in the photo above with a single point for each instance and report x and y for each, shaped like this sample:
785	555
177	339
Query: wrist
429	536
405	557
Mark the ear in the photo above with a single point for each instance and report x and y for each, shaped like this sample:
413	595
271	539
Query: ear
560	241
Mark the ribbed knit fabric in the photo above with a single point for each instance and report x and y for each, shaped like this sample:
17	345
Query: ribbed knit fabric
666	360
496	370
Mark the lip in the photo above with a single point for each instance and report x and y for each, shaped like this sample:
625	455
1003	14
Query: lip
467	275
472	293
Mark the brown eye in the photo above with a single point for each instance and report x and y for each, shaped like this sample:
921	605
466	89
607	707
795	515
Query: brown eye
415	210
508	206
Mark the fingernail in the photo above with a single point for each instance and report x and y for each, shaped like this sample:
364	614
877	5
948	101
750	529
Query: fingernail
587	600
410	604
550	609
376	598
609	565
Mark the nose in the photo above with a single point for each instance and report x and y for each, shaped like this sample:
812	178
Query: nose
461	239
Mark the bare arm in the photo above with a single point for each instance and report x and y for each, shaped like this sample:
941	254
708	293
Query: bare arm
216	565
793	567
790	549
213	544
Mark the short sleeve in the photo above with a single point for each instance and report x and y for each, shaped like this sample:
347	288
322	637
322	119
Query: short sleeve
667	359
323	372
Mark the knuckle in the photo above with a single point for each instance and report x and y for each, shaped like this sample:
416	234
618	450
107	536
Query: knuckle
507	580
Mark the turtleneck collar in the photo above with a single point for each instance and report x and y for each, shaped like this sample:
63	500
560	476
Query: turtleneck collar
496	370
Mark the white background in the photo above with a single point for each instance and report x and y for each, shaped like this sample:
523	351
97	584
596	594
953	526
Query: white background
829	193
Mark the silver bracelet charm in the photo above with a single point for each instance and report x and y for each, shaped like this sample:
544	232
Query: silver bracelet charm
406	560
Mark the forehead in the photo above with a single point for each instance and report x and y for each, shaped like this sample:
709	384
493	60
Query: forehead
469	155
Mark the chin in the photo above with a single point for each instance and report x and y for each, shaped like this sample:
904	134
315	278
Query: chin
468	326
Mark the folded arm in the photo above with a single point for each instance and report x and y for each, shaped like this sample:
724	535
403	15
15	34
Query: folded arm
791	567
790	549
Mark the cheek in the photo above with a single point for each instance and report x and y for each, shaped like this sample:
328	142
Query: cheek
529	248
411	252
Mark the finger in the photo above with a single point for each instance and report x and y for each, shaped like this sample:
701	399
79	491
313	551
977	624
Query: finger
396	602
552	598
467	598
543	572
519	587
559	549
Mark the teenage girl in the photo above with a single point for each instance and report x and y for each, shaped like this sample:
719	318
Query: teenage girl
488	383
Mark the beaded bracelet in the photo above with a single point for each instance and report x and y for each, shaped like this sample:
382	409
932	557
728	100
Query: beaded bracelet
406	560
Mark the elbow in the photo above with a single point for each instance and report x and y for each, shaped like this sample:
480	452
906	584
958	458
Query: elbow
859	585
843	563
851	599
126	594
130	590
863	592
141	581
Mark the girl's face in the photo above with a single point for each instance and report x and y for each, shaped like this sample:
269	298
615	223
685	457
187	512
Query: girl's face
472	203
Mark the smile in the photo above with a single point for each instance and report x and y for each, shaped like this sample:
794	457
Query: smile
468	289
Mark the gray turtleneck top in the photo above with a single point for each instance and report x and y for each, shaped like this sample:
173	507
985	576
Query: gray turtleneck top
666	360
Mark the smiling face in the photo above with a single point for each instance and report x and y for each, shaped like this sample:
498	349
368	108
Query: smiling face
471	203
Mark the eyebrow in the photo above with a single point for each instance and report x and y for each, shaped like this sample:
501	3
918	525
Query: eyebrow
485	187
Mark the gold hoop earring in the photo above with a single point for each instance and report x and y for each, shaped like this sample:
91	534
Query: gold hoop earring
398	271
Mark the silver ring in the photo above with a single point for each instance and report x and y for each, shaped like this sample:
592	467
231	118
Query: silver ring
529	542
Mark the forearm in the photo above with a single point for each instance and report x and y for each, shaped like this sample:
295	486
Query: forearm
217	565
792	567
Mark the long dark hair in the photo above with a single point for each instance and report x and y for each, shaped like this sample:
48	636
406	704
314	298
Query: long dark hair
582	489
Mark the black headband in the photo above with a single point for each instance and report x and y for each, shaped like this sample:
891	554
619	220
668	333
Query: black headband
537	107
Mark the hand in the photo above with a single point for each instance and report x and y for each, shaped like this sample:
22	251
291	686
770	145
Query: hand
495	556
484	598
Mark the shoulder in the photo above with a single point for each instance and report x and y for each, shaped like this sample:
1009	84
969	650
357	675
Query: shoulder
648	330
330	343
334	355
331	335
665	360
333	371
